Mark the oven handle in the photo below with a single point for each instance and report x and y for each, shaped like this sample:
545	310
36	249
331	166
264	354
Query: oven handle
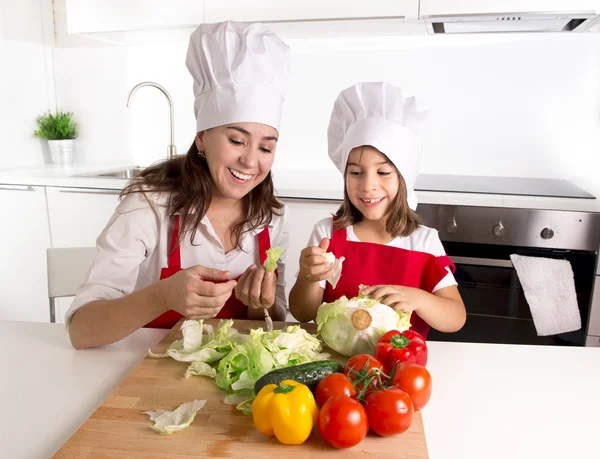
492	262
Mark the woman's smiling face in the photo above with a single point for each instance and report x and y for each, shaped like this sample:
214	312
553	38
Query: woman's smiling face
239	156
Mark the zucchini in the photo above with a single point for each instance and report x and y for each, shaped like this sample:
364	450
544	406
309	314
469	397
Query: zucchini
308	374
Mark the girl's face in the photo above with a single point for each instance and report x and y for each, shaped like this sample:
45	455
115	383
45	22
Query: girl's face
372	182
239	156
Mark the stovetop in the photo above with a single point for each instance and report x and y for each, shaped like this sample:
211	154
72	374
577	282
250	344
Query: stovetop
519	186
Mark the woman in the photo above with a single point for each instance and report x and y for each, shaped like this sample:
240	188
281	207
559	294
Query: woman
191	234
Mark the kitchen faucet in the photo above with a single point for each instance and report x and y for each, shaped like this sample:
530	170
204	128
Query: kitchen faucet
171	149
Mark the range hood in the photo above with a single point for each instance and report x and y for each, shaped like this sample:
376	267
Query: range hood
511	22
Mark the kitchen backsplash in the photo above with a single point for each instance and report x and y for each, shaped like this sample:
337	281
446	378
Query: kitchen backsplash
522	105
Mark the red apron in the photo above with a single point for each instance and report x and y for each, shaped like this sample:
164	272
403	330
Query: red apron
233	308
376	264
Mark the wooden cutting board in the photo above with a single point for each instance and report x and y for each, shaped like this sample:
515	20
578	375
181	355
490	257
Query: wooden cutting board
118	428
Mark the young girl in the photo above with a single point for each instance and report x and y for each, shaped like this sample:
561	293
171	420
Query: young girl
374	142
191	235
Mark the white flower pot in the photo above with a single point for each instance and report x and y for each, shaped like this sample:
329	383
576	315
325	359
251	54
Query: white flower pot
61	151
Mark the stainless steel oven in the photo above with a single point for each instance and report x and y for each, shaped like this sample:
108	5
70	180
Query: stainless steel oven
480	241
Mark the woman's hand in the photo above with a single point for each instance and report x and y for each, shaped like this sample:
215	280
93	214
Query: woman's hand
256	288
407	299
191	292
313	265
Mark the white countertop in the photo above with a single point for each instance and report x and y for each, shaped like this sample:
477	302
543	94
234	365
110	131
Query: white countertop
489	401
301	184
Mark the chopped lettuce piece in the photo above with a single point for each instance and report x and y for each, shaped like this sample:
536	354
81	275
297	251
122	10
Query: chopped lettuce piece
168	422
273	256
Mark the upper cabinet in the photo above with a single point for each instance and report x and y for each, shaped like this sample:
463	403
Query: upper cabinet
145	21
87	16
307	10
123	22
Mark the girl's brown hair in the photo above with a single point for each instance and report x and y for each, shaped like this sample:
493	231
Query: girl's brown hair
401	219
188	181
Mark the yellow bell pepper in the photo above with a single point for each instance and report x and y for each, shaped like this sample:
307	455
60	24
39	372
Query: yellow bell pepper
288	411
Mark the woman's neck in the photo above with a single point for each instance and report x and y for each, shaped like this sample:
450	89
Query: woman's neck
372	231
224	210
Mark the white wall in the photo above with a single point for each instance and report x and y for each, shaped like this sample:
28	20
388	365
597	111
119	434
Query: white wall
510	105
26	82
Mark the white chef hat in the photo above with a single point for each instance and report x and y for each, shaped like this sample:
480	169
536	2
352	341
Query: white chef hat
385	117
240	74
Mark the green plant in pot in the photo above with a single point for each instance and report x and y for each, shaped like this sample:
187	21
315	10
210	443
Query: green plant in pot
59	129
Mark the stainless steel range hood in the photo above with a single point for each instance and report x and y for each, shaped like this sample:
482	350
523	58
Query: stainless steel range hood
511	22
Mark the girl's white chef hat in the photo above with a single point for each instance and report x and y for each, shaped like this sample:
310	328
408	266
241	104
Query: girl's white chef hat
385	117
240	74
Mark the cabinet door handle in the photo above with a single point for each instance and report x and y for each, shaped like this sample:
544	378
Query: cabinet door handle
89	191
17	187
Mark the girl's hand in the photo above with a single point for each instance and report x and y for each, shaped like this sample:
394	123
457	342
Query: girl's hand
256	288
191	292
407	299
313	265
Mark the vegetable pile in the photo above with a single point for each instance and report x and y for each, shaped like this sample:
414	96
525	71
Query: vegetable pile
237	361
364	395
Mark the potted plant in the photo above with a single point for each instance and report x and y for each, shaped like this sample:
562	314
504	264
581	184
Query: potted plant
59	130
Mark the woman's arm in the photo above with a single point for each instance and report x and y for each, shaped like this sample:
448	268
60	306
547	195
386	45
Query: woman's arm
107	321
189	292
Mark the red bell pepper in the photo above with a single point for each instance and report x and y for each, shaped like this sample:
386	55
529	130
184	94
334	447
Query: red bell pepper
396	346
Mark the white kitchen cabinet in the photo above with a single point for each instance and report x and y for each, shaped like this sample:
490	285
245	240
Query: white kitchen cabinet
303	214
438	7
78	215
24	239
93	16
306	10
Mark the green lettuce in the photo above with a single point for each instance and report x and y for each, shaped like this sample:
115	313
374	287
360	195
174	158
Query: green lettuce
237	361
353	326
273	256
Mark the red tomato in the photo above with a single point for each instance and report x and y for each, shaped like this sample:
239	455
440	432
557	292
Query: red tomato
414	379
334	384
396	346
361	368
389	411
343	422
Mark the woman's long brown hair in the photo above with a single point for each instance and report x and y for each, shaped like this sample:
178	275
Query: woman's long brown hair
401	219
188	181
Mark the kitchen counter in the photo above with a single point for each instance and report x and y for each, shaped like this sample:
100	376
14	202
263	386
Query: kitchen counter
489	401
294	184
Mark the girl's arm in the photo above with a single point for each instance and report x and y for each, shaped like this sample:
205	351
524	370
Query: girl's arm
443	310
307	295
305	299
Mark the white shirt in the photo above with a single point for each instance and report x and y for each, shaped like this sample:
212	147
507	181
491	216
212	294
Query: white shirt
134	246
423	239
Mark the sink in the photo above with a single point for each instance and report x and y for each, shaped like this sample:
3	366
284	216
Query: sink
124	173
120	174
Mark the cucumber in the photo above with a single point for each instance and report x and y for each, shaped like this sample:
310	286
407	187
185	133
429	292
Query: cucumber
306	373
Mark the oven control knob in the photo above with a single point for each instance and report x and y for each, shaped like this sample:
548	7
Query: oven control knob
452	227
499	229
547	233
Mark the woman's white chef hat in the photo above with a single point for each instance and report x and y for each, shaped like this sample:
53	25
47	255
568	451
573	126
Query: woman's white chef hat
240	74
385	117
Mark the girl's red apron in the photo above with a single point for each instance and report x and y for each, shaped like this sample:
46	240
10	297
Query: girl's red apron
233	308
376	264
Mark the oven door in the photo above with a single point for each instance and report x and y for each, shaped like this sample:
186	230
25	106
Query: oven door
497	311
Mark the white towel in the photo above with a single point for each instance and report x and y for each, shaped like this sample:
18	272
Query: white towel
550	291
